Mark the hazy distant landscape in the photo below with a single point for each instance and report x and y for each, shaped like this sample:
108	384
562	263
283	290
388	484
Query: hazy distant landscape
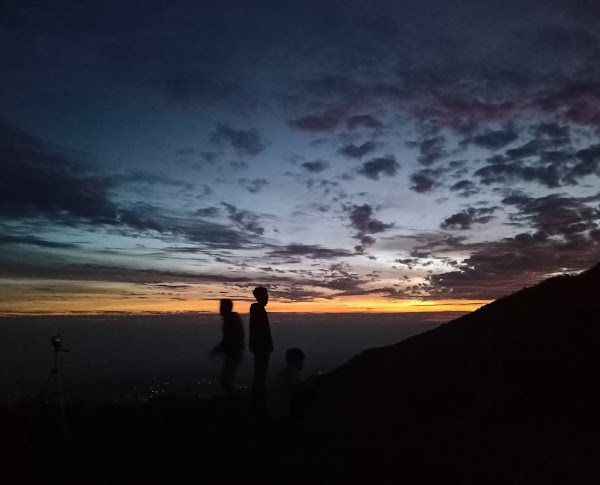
120	357
505	394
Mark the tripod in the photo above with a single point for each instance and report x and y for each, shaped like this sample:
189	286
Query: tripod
56	394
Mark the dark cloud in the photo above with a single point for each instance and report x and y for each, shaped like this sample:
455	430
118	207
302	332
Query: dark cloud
236	166
143	217
363	121
294	293
386	291
577	102
465	219
38	180
505	172
340	277
588	162
560	135
498	268
244	142
465	188
379	166
431	150
244	219
208	212
6	239
90	272
362	220
357	151
317	123
313	251
365	243
425	180
316	166
326	185
548	159
203	192
218	236
253	186
457	165
437	71
347	285
529	149
434	76
560	40
455	109
453	88
555	214
149	178
209	157
410	262
558	232
496	139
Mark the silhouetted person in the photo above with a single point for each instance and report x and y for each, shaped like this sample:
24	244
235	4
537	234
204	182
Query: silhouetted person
231	345
283	393
261	345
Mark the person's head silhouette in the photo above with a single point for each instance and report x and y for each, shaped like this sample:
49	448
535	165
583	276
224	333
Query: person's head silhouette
226	306
295	358
261	294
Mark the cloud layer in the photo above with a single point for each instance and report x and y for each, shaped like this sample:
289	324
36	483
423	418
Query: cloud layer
387	150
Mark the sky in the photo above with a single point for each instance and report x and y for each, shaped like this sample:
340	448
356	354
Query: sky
351	156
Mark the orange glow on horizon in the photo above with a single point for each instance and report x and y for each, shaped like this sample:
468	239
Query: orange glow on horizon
27	297
98	306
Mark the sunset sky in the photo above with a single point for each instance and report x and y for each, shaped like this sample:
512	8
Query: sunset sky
349	155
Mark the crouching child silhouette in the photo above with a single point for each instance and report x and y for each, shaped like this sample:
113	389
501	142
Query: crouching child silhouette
231	346
286	402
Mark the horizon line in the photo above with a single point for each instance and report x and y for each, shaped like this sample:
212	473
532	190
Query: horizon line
208	307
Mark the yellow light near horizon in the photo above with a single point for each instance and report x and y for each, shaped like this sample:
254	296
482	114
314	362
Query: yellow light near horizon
98	306
374	305
31	297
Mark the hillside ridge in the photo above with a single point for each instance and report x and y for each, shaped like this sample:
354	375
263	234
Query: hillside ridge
532	351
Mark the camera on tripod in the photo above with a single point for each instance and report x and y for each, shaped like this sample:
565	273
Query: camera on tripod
57	343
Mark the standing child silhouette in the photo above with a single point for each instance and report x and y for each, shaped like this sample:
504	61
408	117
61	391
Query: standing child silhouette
261	345
231	345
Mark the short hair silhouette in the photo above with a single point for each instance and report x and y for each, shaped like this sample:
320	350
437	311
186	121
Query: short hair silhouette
226	304
260	291
294	356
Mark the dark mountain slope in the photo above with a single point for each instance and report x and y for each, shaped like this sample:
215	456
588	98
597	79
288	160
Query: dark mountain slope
531	353
505	395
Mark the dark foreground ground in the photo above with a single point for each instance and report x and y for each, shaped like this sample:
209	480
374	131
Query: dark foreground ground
506	395
220	441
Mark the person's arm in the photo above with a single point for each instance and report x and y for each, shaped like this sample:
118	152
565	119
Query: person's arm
251	329
217	349
239	332
220	347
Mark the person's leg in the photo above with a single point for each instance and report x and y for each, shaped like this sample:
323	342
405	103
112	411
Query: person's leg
231	364
259	381
226	377
261	364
